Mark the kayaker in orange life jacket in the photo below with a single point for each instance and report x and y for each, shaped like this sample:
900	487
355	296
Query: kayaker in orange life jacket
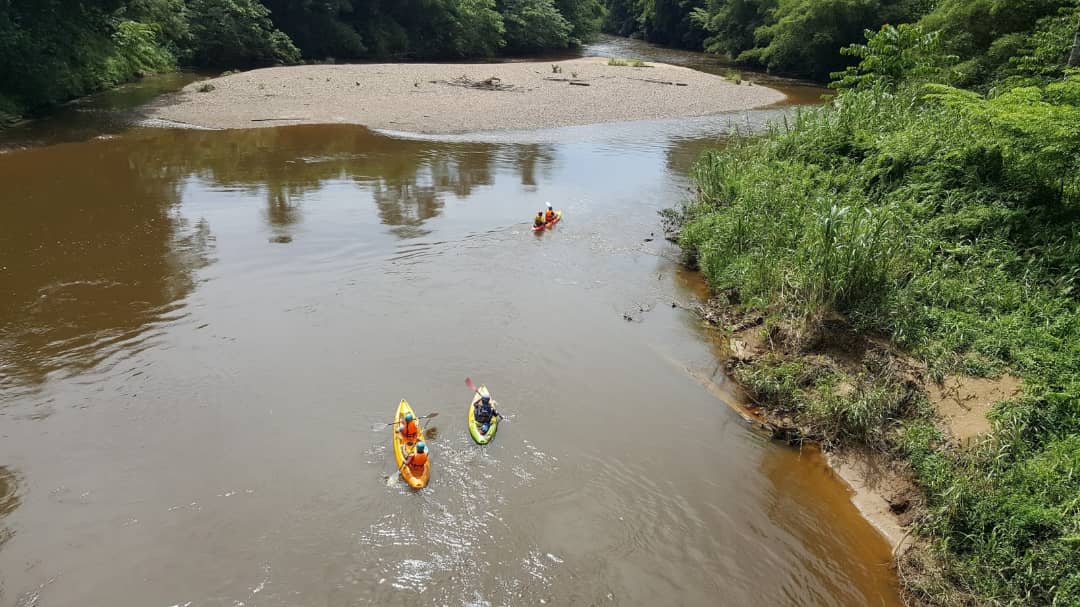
550	215
538	221
483	412
417	460
409	429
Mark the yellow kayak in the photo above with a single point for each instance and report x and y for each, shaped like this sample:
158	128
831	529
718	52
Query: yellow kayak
416	481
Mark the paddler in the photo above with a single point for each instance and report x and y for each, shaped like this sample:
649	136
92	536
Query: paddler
484	411
409	429
550	215
417	459
538	221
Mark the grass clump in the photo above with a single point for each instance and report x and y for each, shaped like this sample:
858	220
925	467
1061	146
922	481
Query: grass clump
615	62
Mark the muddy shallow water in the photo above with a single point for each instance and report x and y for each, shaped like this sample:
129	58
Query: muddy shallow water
198	329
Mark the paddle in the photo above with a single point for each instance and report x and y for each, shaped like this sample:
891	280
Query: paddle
470	385
381	426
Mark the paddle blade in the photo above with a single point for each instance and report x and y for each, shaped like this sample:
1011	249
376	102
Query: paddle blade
469	383
431	415
375	427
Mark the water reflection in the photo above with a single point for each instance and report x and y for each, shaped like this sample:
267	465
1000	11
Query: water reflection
96	252
406	206
92	253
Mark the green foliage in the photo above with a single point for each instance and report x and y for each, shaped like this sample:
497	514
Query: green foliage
804	36
946	220
1043	54
482	29
889	57
731	24
584	17
987	34
229	33
535	25
169	19
56	50
136	52
53	51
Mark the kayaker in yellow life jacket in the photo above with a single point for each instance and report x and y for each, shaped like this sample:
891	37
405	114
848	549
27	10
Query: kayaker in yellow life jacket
417	460
409	429
550	215
484	412
539	219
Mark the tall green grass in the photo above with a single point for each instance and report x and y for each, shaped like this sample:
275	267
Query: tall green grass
950	223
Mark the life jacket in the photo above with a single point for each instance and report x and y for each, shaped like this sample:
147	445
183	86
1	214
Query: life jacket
539	221
550	216
417	461
483	412
411	430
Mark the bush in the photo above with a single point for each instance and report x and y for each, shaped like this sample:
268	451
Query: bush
535	25
237	33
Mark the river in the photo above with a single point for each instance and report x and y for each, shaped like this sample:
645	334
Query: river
199	328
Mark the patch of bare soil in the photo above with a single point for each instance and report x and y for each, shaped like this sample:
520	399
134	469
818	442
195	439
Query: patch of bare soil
962	402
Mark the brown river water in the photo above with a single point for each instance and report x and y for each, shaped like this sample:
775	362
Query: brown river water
199	328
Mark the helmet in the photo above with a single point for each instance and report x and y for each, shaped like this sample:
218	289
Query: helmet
486	398
549	205
408	417
420	447
484	428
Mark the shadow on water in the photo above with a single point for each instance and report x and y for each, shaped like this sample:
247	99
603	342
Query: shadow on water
105	114
9	501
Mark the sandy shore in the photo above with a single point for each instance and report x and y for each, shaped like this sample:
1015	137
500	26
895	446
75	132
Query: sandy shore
428	98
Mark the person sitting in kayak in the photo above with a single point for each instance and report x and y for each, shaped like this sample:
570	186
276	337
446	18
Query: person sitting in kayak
483	413
538	221
409	429
550	215
417	460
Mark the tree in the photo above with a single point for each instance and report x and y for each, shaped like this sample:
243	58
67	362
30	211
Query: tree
732	23
482	30
1074	56
584	17
534	25
237	33
806	36
890	55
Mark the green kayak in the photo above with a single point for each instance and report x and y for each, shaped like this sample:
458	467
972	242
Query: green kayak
474	428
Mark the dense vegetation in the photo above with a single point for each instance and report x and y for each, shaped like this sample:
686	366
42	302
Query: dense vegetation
804	37
948	220
54	50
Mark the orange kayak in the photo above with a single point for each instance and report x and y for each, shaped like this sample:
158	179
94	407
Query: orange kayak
415	481
558	216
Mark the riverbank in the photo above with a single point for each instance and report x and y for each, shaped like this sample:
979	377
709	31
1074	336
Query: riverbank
778	369
451	98
875	302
